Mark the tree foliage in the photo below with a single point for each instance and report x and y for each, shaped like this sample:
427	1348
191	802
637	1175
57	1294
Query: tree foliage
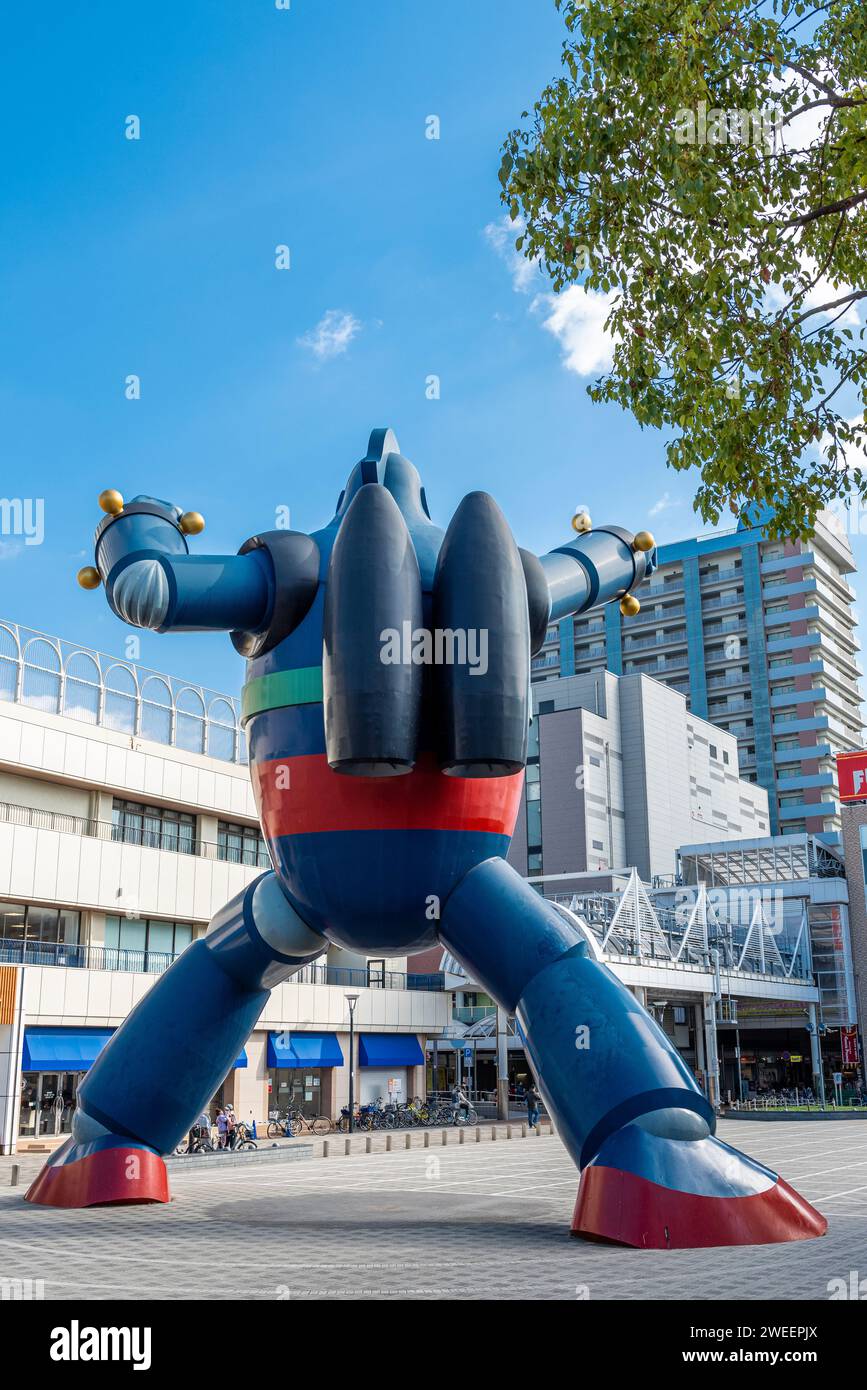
704	164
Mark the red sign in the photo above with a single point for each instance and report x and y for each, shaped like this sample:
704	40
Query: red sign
849	1046
852	776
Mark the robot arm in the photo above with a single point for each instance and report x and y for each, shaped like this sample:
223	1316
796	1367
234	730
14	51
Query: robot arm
152	581
596	567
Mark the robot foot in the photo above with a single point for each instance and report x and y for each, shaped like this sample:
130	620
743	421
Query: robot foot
651	1191
106	1170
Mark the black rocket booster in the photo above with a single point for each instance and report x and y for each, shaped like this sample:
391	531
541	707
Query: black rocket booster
481	617
372	703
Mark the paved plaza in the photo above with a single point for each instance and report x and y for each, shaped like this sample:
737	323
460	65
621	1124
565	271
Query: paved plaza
477	1220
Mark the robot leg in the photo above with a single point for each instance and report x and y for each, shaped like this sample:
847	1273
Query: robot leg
170	1054
624	1102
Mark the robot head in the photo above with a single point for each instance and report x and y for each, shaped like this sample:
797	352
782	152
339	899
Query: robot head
384	464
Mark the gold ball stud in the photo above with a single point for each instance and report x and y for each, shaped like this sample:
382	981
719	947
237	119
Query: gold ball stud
643	540
581	522
629	606
192	523
111	501
88	577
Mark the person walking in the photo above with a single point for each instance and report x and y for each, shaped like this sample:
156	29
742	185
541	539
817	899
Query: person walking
534	1100
205	1128
231	1129
222	1129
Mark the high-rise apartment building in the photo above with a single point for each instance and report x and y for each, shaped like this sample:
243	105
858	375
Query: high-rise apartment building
759	635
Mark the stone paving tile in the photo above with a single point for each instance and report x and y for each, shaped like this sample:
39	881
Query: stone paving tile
472	1221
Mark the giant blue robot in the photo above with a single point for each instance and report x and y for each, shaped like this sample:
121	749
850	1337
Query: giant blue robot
386	707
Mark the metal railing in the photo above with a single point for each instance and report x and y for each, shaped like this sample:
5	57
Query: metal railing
165	838
78	956
56	676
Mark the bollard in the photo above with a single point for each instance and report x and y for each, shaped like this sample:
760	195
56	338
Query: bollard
478	1134
388	1143
445	1138
427	1138
16	1169
325	1148
508	1131
368	1145
493	1131
462	1134
407	1140
523	1131
539	1130
347	1147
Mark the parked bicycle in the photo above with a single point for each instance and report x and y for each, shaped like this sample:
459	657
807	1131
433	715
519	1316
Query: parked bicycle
197	1141
294	1122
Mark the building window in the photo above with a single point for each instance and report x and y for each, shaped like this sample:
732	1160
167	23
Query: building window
154	827
725	756
597	844
534	825
534	863
152	939
713	751
242	844
47	925
546	706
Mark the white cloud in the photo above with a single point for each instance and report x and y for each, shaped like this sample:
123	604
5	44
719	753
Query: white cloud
332	334
823	292
576	318
663	504
502	236
856	459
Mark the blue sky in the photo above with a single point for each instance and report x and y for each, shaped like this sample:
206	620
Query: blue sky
156	257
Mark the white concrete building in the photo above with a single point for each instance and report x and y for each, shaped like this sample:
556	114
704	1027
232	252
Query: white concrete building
126	820
620	774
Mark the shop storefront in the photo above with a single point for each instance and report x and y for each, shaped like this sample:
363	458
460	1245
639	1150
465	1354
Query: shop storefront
384	1064
300	1072
54	1062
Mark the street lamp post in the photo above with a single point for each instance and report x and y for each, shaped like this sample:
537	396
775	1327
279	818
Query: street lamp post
352	1000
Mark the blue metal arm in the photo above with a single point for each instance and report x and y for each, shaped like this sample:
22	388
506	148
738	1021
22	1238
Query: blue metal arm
152	581
595	568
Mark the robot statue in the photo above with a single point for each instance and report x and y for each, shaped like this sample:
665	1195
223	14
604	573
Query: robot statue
386	708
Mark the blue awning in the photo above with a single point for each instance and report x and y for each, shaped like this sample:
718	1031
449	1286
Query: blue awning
304	1050
242	1060
63	1049
389	1050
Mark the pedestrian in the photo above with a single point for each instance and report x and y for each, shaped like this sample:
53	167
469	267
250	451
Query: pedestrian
231	1129
534	1100
459	1101
222	1128
205	1127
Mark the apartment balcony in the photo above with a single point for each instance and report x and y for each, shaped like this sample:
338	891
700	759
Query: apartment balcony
791	615
671	663
663	615
800	810
798	755
660	589
785	724
798	697
730	625
723	601
730	679
736	707
549	661
720	577
667	639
